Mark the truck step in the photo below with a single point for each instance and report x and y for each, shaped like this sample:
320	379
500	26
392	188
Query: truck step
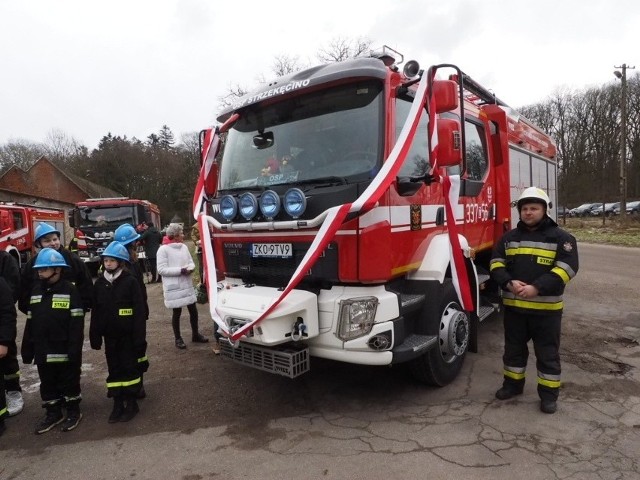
485	310
413	346
410	302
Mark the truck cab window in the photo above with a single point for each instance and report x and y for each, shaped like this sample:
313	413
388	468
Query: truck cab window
18	220
417	161
476	150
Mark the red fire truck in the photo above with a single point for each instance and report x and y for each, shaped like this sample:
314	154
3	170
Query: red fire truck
18	223
96	220
383	291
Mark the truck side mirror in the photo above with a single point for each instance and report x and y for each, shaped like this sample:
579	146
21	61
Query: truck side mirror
72	220
446	95
449	142
211	180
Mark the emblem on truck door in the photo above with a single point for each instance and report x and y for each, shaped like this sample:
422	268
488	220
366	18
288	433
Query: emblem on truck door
416	217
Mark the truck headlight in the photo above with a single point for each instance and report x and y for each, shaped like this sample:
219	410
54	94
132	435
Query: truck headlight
248	205
356	317
295	203
269	204
228	207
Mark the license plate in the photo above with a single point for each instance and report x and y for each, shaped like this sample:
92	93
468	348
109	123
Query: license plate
279	250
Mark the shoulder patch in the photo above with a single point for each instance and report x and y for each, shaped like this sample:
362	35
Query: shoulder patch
567	246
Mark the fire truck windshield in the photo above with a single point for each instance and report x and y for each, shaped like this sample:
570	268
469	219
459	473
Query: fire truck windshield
335	132
106	216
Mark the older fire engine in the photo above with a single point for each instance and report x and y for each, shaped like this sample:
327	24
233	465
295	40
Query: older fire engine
18	223
96	219
353	208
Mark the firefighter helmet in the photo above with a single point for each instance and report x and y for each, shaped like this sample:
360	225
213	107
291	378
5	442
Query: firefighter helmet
48	257
44	229
126	234
116	250
533	195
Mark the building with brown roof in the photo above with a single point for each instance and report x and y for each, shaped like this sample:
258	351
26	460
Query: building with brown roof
47	185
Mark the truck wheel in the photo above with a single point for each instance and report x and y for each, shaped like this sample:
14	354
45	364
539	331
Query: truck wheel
441	365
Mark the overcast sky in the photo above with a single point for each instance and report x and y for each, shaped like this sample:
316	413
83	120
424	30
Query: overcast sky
88	68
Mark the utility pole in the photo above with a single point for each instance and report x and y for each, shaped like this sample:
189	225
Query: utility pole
623	140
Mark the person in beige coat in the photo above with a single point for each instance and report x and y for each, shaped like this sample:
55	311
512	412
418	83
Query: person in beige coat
176	266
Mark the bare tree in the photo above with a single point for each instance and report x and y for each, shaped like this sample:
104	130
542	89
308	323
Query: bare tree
286	64
340	49
61	147
21	153
233	93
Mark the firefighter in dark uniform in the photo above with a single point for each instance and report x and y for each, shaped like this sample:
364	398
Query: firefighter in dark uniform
128	236
8	321
9	367
118	318
53	337
533	263
77	273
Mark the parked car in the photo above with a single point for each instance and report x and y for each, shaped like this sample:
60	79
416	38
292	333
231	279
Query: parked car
608	209
633	208
583	210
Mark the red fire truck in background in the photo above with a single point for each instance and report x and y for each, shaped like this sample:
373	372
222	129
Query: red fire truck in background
96	220
382	291
18	223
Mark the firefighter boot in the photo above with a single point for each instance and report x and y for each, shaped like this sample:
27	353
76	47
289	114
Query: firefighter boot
73	417
548	406
509	390
130	410
118	410
52	418
548	399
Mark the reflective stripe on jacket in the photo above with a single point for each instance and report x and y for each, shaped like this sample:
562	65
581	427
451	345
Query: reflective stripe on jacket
546	258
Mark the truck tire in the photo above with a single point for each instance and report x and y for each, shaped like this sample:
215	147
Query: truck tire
441	365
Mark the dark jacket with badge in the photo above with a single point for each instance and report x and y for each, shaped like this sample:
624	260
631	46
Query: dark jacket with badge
118	312
54	331
546	258
8	318
77	273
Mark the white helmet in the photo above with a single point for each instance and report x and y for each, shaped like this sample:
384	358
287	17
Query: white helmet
533	195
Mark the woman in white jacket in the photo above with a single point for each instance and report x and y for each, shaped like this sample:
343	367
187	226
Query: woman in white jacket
175	265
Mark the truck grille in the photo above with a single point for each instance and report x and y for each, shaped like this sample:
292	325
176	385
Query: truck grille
276	272
287	360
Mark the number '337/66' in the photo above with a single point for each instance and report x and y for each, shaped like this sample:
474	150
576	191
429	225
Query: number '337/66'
476	212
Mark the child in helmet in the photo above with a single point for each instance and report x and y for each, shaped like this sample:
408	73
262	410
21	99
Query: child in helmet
118	317
128	236
53	337
46	236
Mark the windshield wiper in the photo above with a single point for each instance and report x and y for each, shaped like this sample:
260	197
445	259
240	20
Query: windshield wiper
323	181
260	188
